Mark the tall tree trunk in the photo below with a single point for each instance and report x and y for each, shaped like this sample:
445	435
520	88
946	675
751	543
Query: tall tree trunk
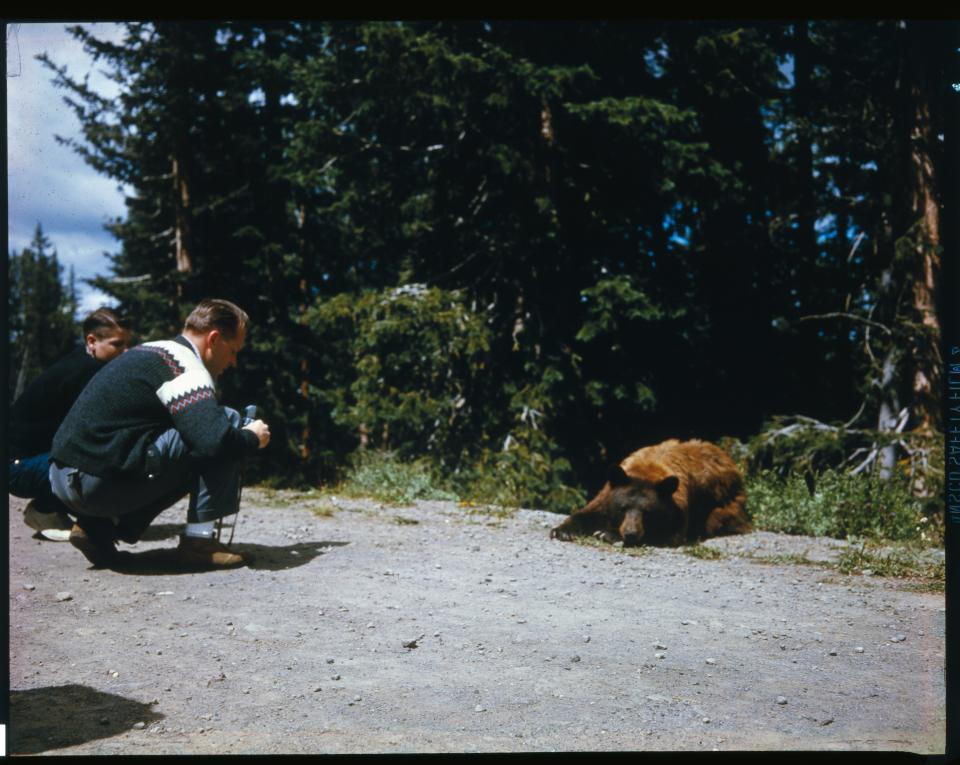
304	302
889	409
806	209
922	47
890	372
22	374
915	218
182	221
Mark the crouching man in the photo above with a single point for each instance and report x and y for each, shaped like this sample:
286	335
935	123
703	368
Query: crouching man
146	431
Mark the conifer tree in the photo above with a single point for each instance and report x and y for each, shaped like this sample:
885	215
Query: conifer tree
666	228
41	311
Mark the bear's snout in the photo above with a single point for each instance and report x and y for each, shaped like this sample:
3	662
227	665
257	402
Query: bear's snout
631	530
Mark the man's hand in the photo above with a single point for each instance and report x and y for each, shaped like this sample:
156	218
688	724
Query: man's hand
261	430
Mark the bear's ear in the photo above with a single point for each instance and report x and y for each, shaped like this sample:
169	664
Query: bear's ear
617	477
668	485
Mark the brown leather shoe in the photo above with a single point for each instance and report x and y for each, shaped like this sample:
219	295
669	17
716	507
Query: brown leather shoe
55	525
97	547
203	551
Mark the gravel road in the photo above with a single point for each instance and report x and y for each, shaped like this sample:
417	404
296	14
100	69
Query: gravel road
359	628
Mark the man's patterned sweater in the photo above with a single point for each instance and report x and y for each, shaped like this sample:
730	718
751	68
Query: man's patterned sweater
136	397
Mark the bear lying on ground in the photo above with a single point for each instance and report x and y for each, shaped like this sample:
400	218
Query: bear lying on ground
670	493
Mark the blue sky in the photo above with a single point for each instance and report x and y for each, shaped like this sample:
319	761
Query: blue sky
47	182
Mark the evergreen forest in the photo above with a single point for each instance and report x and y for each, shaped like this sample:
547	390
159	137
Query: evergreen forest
512	252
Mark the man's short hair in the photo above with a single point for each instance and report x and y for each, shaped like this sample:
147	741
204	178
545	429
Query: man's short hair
103	323
213	313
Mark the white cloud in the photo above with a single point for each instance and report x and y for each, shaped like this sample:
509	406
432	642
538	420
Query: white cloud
49	182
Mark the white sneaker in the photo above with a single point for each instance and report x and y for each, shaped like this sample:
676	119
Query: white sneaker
56	535
45	523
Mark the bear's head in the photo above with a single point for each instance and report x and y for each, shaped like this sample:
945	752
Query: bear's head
642	510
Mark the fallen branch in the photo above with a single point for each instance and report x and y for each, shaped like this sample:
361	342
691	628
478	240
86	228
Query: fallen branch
852	316
866	463
129	279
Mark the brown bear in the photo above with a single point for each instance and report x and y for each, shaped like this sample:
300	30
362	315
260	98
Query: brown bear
670	493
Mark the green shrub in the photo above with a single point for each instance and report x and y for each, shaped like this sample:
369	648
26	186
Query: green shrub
408	372
380	475
520	477
809	477
526	468
405	368
842	505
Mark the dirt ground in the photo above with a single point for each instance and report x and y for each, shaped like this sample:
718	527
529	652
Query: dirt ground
359	628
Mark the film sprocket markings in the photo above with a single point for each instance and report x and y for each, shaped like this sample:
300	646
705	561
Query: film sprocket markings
953	435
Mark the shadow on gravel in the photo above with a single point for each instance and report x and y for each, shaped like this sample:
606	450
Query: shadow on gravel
267	558
259	557
66	715
158	531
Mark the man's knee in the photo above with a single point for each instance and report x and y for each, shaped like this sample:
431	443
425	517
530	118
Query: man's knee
65	486
27	477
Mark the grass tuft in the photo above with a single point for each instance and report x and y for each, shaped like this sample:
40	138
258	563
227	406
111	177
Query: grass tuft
704	553
896	562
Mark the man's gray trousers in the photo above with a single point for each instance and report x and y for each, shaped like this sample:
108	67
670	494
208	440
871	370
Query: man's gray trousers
213	485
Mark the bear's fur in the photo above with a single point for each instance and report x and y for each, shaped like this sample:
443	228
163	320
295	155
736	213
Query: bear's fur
670	493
